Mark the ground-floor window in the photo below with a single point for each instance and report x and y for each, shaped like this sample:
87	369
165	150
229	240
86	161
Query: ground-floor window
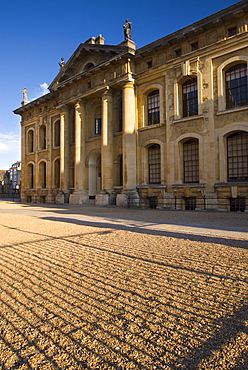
237	156
154	164
237	204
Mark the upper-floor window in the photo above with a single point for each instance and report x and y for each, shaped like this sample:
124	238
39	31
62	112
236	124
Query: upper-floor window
178	53
236	86
190	98
42	137
30	141
191	160
120	119
232	31
154	164
194	46
57	133
237	156
153	104
98	126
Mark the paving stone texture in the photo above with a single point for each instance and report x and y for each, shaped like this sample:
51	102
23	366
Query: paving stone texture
111	288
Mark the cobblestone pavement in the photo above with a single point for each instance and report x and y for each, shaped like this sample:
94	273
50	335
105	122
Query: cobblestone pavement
109	288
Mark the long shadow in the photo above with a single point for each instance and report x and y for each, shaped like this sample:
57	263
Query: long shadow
230	328
234	243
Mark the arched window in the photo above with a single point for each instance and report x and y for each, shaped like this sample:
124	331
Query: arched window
236	86
42	137
237	156
120	120
190	98
57	173
88	66
153	105
191	160
30	141
154	164
57	133
42	172
31	176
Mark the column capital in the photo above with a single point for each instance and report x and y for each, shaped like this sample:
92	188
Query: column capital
63	108
107	92
79	103
128	84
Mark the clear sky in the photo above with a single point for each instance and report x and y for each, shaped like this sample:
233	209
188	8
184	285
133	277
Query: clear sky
35	34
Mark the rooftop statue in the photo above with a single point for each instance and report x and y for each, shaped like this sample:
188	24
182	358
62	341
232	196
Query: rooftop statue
128	30
25	96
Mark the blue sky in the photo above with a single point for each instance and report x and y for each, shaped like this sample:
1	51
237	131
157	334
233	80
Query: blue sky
35	34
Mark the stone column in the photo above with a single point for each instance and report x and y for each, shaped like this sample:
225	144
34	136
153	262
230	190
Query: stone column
129	147
64	153
80	194
104	197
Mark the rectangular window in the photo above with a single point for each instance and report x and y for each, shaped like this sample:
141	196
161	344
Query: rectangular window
191	161
194	46
178	53
154	163
98	126
153	107
232	31
190	98
237	156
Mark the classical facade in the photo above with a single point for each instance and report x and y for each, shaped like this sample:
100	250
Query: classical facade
167	122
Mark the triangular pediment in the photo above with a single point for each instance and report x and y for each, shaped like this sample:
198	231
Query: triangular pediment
87	57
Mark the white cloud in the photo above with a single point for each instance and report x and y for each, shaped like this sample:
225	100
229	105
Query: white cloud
44	88
9	143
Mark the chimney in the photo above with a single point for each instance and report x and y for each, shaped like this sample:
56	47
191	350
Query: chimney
99	40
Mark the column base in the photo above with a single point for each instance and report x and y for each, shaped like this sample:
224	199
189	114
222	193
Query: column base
128	198
79	197
62	197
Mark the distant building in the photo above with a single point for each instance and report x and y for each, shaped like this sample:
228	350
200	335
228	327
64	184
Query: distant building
11	179
166	123
15	174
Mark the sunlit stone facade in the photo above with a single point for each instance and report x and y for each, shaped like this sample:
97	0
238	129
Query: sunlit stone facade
168	121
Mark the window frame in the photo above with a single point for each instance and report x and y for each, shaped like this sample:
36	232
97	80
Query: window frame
153	107
187	101
191	166
154	166
240	172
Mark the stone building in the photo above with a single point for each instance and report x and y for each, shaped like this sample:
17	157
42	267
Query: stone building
167	122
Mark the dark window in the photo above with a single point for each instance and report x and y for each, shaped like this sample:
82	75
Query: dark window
178	53
236	86
237	156
120	116
194	46
154	163
43	137
57	133
57	173
191	160
31	175
121	171
153	107
232	31
149	64
190	98
30	141
190	203
98	126
237	204
43	174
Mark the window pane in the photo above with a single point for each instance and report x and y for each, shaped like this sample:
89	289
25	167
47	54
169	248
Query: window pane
190	98
153	107
237	156
154	163
236	86
191	160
